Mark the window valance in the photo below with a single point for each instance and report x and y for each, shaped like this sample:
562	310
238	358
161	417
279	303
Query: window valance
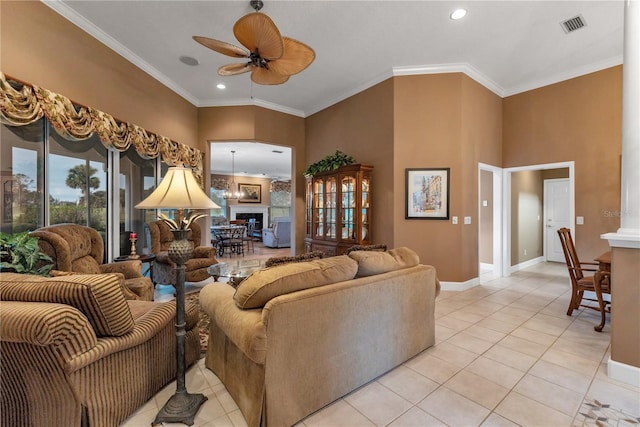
280	186
28	103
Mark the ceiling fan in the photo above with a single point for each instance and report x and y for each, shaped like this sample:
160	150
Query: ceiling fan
272	57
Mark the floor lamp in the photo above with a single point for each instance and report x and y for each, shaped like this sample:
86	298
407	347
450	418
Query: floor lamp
179	190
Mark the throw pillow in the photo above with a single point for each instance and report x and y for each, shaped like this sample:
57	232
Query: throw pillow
354	248
374	262
100	297
256	290
309	256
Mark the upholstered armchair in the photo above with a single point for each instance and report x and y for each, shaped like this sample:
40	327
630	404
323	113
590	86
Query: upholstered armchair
76	353
80	249
279	234
164	269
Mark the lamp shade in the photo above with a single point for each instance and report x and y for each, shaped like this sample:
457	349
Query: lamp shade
178	190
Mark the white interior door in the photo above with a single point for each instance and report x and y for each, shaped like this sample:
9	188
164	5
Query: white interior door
556	215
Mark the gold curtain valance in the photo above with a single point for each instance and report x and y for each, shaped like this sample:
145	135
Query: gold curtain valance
219	183
30	103
281	186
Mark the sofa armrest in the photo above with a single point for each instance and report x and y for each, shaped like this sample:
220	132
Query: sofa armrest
204	252
45	324
130	269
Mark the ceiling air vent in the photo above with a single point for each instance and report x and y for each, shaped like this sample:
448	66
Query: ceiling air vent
575	23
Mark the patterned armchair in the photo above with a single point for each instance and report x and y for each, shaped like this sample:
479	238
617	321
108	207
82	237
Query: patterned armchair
79	249
76	353
164	269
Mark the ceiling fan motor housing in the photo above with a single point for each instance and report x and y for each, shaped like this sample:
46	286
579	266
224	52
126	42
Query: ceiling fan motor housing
256	4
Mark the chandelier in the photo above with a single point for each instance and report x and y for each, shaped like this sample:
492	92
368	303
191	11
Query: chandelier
229	192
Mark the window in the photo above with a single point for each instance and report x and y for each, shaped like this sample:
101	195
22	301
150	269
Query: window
21	164
218	216
280	204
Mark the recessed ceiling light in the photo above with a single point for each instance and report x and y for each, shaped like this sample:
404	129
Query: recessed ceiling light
189	60
221	86
458	14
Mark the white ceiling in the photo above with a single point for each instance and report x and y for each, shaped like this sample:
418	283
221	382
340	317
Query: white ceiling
508	46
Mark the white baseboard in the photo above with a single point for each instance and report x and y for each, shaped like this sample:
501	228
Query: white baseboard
527	264
485	266
624	373
460	286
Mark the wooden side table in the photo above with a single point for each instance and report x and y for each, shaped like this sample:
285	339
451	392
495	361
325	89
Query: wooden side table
145	259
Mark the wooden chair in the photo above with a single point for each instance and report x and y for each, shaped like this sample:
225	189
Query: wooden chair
599	282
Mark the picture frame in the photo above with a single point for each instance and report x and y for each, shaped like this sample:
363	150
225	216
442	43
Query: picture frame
251	193
427	193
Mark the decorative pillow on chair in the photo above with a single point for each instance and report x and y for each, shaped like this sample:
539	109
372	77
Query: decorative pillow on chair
309	256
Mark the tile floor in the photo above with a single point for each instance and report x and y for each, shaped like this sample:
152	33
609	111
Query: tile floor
506	354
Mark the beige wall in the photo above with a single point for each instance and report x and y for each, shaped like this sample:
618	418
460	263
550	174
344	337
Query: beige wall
526	216
362	126
43	48
445	120
576	120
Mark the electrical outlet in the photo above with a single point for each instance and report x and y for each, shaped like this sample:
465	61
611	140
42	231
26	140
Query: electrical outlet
467	220
454	220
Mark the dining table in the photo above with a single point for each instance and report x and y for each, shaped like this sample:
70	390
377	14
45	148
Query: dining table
228	237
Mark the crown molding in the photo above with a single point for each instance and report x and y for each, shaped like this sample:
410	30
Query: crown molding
80	21
572	74
461	67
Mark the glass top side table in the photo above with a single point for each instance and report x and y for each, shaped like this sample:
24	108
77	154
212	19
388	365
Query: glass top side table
236	271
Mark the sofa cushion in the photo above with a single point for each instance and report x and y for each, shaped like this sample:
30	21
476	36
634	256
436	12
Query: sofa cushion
100	297
256	290
375	262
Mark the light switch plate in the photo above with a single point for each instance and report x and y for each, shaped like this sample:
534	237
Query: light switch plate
467	220
485	203
454	220
580	220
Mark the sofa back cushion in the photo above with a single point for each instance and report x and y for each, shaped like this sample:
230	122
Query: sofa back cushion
375	262
99	297
256	290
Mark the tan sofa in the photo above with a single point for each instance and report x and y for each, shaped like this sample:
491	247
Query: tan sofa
76	353
293	338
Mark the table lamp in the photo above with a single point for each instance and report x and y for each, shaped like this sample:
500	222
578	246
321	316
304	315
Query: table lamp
179	190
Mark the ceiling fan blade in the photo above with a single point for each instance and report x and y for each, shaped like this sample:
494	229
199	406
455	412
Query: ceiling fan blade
262	76
222	47
233	69
297	56
257	32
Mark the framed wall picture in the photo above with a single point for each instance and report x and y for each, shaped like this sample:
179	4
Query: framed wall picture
251	193
427	193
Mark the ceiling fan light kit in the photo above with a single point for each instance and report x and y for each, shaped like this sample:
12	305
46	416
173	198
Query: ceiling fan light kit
272	58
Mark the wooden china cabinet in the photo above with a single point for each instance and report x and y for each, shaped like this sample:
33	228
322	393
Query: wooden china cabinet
338	209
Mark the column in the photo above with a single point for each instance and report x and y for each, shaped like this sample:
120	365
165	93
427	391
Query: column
624	364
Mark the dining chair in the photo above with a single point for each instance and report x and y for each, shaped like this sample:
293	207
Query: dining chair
598	282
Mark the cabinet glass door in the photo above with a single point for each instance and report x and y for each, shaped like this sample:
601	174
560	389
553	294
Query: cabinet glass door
366	210
318	208
348	187
331	208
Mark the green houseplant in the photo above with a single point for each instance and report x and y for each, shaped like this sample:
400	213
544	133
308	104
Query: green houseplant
329	163
20	253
